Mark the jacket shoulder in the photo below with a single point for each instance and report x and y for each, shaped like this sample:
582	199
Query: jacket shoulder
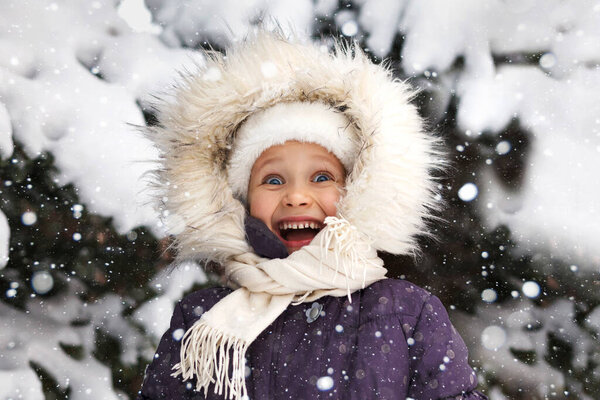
389	297
197	303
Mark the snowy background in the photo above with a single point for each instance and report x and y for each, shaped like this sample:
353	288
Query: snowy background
513	85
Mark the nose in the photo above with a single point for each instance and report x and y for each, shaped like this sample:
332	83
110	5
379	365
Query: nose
297	195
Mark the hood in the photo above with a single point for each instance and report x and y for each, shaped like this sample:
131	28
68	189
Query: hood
389	191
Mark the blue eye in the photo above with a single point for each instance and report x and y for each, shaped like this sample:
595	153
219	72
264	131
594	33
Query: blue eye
321	178
273	180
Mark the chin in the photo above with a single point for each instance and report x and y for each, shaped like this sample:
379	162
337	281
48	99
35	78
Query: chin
292	249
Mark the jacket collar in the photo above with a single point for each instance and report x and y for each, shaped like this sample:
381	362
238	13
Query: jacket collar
263	241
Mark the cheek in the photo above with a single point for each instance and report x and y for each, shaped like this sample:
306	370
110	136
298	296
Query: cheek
262	206
329	200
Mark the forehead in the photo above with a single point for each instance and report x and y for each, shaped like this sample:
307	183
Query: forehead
295	153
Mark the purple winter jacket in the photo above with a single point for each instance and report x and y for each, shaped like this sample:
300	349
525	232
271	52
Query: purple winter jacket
393	341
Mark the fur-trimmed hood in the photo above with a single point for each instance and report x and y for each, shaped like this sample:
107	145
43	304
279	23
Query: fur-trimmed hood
389	191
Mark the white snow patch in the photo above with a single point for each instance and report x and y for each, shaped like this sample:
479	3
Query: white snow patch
593	320
53	100
155	314
4	240
559	110
325	7
195	21
6	143
438	31
381	18
505	328
24	339
561	173
135	13
20	383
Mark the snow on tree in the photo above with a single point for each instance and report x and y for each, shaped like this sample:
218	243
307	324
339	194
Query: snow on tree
511	85
74	78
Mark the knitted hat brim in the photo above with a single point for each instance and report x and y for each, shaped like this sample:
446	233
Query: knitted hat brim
296	121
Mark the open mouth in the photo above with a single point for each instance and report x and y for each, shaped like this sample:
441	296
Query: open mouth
299	233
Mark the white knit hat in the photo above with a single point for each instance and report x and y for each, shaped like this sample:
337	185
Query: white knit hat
303	122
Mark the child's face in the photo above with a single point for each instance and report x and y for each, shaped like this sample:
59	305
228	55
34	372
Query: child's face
295	184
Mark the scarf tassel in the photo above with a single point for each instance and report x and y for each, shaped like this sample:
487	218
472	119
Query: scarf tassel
348	246
206	353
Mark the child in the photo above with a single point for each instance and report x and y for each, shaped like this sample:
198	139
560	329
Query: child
291	168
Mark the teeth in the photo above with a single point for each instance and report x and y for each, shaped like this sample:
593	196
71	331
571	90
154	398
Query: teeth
299	225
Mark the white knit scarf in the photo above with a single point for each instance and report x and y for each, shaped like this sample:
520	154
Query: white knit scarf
337	262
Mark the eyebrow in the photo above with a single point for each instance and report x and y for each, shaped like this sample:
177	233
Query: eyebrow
324	158
262	163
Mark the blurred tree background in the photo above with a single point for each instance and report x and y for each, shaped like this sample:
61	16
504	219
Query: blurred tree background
86	288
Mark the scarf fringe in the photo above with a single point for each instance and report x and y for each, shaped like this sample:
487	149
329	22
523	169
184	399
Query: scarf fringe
346	243
206	353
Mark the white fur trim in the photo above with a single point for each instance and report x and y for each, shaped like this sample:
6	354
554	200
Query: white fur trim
302	122
389	191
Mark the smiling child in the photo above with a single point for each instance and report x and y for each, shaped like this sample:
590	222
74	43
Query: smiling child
293	187
292	167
